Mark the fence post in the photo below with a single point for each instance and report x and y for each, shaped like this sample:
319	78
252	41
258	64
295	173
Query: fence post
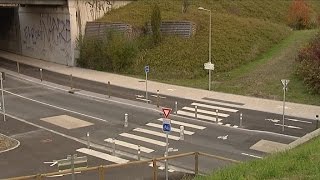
196	163
154	163
101	172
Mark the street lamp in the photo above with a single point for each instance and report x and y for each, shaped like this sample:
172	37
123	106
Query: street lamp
285	83
209	66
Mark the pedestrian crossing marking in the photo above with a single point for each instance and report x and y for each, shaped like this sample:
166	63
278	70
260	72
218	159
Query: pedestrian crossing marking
129	145
155	133
214	107
172	128
199	116
184	124
140	138
101	155
205	112
293	127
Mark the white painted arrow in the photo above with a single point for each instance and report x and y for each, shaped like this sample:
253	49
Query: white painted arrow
223	137
51	163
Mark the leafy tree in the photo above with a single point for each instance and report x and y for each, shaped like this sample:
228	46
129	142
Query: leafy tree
155	24
299	16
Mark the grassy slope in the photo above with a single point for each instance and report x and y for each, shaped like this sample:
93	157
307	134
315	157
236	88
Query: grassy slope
299	163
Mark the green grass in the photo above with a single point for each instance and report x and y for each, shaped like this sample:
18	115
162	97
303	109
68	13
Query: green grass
302	162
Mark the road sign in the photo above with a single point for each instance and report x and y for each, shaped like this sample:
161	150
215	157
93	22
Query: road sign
166	112
166	125
146	69
209	66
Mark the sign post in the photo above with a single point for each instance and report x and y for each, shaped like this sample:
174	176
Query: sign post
166	127
209	66
285	83
2	97
146	70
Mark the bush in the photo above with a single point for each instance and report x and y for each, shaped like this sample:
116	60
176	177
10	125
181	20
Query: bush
299	15
155	24
309	64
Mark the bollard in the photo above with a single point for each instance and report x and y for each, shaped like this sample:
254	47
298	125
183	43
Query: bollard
113	147
196	111
88	139
71	82
217	113
176	107
139	153
109	89
18	67
240	119
125	120
181	132
157	98
41	74
317	119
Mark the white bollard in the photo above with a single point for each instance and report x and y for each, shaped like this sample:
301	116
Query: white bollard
240	119
88	139
126	120
113	147
196	111
176	107
217	113
41	74
139	153
181	132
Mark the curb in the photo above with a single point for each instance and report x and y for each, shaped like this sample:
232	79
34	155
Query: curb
14	147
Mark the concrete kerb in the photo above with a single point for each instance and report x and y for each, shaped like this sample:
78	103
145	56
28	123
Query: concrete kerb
14	147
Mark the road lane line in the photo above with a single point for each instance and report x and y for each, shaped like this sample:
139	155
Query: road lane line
205	111
214	107
140	138
172	128
293	127
251	155
297	120
101	155
129	145
155	133
184	124
57	107
199	116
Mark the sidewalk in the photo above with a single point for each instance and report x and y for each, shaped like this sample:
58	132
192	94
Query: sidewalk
292	109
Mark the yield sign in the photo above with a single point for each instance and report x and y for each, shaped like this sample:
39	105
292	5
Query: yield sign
166	112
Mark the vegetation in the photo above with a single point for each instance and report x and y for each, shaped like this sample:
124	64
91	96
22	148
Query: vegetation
155	24
242	35
299	163
299	16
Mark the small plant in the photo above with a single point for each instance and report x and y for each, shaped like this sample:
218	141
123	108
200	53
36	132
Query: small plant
155	24
299	16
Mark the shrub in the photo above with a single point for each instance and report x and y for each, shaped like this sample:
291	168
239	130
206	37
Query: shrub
155	24
309	64
299	16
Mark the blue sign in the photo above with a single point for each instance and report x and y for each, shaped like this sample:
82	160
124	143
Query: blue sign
166	127
146	69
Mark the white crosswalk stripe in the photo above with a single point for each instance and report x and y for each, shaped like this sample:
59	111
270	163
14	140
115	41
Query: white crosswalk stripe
205	112
293	127
199	116
215	107
155	133
184	124
101	155
172	128
129	145
140	138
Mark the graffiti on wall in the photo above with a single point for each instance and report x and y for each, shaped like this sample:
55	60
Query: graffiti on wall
50	34
97	8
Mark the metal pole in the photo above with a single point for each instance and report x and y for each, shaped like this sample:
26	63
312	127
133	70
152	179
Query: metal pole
196	163
41	74
109	89
139	153
126	120
113	146
317	119
2	97
71	82
240	119
284	104
217	115
166	154
181	132
88	140
176	107
210	51
196	111
72	167
146	87
155	174
157	98
18	67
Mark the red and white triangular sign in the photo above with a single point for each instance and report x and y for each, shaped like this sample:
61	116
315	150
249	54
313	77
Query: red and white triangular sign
166	112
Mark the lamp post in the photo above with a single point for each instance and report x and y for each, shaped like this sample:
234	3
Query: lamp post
285	83
203	9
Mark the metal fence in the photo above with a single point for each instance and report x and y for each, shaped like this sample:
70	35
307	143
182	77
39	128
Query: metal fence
102	170
99	29
179	28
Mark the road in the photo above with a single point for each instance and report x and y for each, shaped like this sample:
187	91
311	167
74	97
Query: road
42	108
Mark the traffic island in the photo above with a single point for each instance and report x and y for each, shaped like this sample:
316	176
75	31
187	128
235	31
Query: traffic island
7	143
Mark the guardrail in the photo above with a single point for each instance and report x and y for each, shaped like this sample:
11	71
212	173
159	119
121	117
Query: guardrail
101	170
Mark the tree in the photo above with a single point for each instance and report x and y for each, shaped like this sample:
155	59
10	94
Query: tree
155	24
299	16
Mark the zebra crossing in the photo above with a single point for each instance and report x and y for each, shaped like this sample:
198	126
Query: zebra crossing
211	113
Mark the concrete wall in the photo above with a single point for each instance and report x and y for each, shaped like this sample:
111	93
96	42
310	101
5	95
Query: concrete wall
9	30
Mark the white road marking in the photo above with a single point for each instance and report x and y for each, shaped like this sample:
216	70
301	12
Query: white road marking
223	137
228	125
139	96
235	126
220	123
129	145
171	89
155	133
273	120
140	138
101	155
205	111
199	116
143	99
162	97
60	175
214	107
172	128
293	127
170	170
57	107
296	120
251	155
161	167
184	124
